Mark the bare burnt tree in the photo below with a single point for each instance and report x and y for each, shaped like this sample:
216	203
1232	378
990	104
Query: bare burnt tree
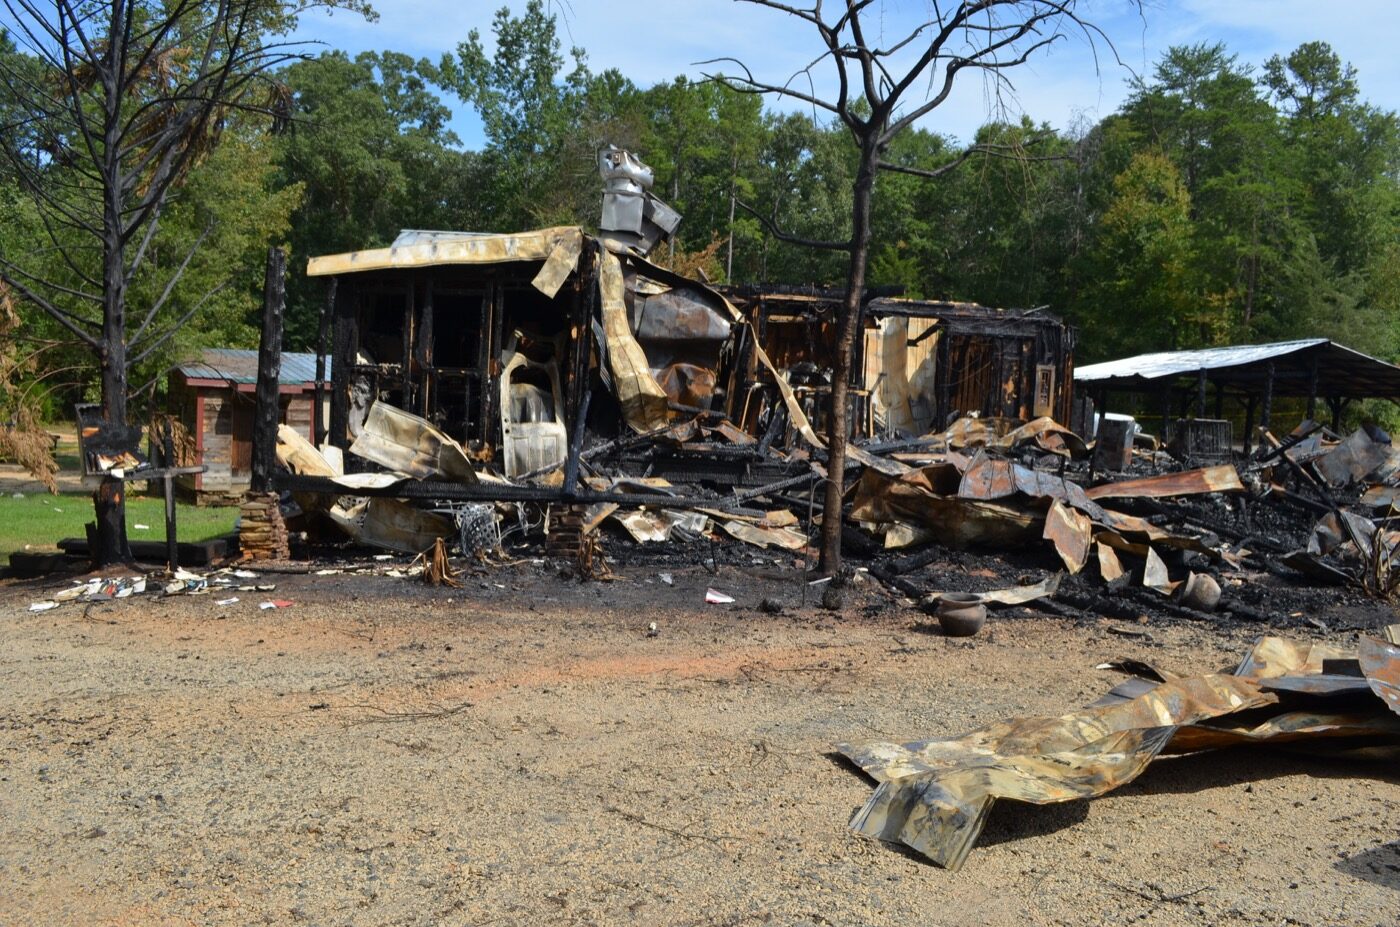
880	89
119	100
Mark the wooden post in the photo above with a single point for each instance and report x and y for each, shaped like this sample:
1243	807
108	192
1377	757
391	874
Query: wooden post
323	334
265	414
571	464
492	347
168	464
406	370
423	354
1201	393
345	337
1266	413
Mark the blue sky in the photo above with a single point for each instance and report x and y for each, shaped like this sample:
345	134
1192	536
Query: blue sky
659	39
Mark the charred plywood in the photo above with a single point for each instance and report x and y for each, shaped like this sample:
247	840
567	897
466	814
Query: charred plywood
1007	363
923	363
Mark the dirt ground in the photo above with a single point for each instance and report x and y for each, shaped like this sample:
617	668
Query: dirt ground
520	751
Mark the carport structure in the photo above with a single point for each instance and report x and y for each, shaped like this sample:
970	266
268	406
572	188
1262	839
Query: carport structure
1312	368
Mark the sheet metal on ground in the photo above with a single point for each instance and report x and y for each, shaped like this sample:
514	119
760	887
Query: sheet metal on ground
934	796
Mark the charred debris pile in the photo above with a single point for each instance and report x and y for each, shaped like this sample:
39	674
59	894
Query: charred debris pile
555	391
1025	513
1141	529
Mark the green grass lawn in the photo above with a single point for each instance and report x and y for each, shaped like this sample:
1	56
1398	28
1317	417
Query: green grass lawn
39	521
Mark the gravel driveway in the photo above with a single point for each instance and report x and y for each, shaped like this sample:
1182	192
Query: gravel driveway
522	752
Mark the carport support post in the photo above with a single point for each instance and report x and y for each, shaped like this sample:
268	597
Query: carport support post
1248	422
265	413
1266	413
1312	390
1201	393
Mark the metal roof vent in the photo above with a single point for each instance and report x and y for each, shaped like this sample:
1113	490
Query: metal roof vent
632	217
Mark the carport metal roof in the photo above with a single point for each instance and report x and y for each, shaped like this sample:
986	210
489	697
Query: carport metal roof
1341	372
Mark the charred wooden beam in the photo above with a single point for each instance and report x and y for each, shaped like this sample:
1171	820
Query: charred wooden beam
1267	411
423	354
406	367
323	334
571	463
265	415
428	490
346	339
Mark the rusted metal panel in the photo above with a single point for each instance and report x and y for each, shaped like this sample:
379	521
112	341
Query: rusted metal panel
1352	460
1072	533
1380	661
934	795
405	443
1224	478
909	499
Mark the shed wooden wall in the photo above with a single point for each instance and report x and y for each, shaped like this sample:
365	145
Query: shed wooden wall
224	432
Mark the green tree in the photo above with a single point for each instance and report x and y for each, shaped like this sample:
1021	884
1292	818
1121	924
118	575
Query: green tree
527	104
1143	297
122	103
1345	155
367	141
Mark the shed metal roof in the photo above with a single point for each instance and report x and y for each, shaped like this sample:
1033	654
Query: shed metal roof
1341	371
238	365
420	248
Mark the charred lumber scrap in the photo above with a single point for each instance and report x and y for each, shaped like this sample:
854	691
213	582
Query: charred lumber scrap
922	365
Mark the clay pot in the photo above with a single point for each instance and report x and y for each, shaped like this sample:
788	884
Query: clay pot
961	614
1200	592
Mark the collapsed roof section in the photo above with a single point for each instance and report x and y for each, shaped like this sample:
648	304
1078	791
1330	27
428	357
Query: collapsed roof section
923	363
517	345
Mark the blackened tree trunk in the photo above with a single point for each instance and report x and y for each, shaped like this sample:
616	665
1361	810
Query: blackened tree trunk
267	411
131	95
874	81
838	417
109	501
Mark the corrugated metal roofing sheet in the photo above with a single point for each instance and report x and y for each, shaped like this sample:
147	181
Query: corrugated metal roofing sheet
418	248
239	365
1299	369
1178	363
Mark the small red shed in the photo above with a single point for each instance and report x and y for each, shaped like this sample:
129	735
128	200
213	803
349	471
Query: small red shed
213	398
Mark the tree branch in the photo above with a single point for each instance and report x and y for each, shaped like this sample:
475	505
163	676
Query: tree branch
170	285
779	234
58	315
169	333
749	85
